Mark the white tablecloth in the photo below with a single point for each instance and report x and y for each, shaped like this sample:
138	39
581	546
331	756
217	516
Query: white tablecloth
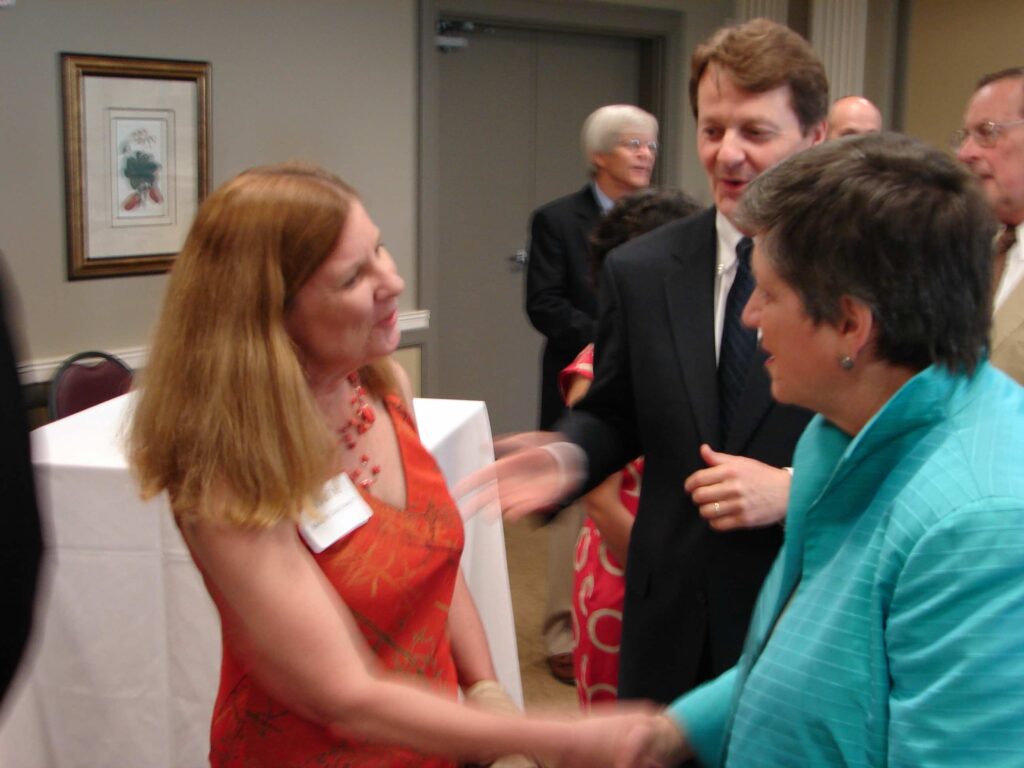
125	659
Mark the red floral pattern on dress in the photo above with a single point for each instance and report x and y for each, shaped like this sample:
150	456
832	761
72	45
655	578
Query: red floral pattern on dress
396	573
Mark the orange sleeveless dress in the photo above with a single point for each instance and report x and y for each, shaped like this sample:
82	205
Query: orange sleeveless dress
396	574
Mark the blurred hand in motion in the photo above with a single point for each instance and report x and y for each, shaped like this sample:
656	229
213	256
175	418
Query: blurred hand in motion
533	472
626	737
737	492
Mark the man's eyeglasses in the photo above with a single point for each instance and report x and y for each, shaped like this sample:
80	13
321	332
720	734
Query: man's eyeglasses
635	145
984	134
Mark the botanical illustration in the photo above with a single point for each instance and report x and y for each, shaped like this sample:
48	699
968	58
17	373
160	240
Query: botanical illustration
141	153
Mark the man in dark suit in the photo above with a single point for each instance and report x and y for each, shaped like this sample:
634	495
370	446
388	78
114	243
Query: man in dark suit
679	380
619	142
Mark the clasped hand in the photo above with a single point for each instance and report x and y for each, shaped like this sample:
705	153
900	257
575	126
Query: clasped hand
737	492
631	736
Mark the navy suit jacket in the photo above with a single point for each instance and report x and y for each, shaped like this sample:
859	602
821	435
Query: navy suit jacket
655	394
560	300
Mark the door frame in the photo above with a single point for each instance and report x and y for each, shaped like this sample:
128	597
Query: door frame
660	33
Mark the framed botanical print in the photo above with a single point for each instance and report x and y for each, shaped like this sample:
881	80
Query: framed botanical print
136	163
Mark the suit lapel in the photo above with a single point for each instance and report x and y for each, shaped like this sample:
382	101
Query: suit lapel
587	208
1008	318
689	295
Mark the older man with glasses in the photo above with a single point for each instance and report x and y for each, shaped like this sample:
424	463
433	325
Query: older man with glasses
991	144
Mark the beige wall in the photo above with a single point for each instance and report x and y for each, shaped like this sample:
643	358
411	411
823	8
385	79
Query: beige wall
411	359
950	44
331	81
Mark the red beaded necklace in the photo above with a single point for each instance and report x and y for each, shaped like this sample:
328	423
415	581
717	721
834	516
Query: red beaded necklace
359	423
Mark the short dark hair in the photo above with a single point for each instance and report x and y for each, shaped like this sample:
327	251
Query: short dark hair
1010	73
890	222
633	215
762	55
1003	74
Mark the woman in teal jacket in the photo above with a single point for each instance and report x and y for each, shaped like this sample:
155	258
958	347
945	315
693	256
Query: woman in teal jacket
890	631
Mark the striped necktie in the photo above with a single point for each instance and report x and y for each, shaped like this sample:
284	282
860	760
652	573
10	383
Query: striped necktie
738	342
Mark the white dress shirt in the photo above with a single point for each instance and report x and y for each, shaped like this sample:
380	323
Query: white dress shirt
725	271
1013	272
603	200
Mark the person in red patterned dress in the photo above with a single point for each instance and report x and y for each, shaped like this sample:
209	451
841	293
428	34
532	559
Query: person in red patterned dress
601	548
270	413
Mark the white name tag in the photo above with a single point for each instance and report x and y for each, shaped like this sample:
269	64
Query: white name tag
341	512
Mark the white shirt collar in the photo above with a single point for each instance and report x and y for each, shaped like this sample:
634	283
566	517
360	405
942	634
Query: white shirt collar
603	200
728	238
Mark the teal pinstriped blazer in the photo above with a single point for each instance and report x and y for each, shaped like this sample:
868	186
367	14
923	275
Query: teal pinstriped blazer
890	630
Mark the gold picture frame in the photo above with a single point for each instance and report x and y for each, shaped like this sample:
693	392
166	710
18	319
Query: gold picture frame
136	162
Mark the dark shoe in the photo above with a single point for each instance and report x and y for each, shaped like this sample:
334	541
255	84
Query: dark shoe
560	665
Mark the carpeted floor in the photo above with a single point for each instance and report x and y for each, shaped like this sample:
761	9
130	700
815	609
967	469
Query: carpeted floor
526	545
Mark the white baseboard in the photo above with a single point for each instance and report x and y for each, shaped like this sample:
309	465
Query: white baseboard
36	371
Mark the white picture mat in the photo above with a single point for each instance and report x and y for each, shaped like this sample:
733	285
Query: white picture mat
107	100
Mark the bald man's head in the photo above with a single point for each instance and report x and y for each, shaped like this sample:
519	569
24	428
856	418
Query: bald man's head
852	115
